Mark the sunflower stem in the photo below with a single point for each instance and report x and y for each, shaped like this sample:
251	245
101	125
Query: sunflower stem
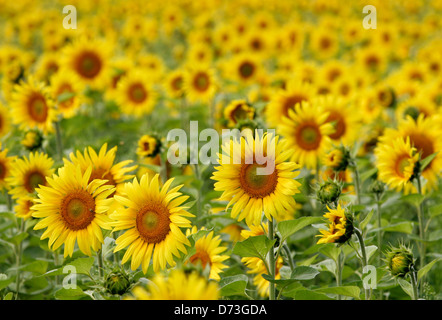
420	217
357	185
339	272
378	206
19	248
100	262
289	257
8	202
413	278
271	261
364	258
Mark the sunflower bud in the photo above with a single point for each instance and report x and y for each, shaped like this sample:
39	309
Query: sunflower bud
377	187
399	261
32	140
338	159
117	282
329	192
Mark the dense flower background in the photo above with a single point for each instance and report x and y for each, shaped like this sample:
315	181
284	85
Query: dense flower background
351	211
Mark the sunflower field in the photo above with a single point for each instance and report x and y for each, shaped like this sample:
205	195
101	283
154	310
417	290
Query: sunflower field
220	150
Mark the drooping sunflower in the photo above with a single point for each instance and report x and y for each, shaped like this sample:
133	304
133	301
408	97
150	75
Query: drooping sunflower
199	84
32	106
66	92
89	60
152	218
73	210
396	162
307	133
208	252
28	173
135	93
236	110
252	184
340	226
285	99
175	286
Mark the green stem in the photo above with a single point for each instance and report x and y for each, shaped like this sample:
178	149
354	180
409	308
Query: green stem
289	257
18	258
271	261
8	202
364	257
357	185
413	277
100	262
339	272
378	205
420	211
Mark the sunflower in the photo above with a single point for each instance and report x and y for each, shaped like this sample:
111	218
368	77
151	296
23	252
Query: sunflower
90	61
5	121
340	226
250	192
67	92
237	110
173	83
199	84
23	209
5	168
245	68
29	173
152	218
47	65
175	286
200	53
104	167
286	99
208	253
148	146
341	115
424	134
32	106
323	43
73	210
135	93
396	162
307	133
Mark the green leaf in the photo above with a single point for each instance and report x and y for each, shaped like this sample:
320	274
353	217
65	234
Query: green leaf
305	294
349	291
8	296
257	247
77	266
331	251
366	220
425	269
70	294
233	286
4	281
403	227
38	267
413	198
155	168
425	162
18	238
65	96
304	273
434	211
406	286
367	174
289	227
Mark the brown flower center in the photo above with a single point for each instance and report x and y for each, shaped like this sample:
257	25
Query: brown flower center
257	185
33	179
37	107
88	64
308	136
78	209
153	222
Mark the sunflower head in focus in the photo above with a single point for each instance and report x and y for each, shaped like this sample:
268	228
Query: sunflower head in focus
252	184
175	286
28	173
73	210
32	106
340	228
307	133
152	218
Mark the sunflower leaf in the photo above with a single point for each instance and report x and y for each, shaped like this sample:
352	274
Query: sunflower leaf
257	247
349	291
426	161
234	285
424	270
289	227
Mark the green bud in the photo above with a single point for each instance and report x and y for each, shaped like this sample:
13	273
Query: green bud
399	261
117	282
329	192
377	187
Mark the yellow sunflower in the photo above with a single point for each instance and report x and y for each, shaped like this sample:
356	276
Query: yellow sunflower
324	44
236	110
249	191
73	210
23	209
285	99
307	133
424	134
208	252
29	173
199	84
66	92
5	168
152	218
173	83
135	93
395	162
90	61
340	226
5	121
175	286
32	106
148	146
245	68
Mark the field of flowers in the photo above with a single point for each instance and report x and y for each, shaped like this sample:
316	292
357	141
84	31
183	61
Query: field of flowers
137	138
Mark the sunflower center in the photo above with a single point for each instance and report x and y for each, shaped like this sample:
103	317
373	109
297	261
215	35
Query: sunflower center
201	81
257	185
401	164
137	93
88	64
177	83
78	209
325	43
246	69
33	180
308	137
153	223
202	257
2	171
339	125
37	107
